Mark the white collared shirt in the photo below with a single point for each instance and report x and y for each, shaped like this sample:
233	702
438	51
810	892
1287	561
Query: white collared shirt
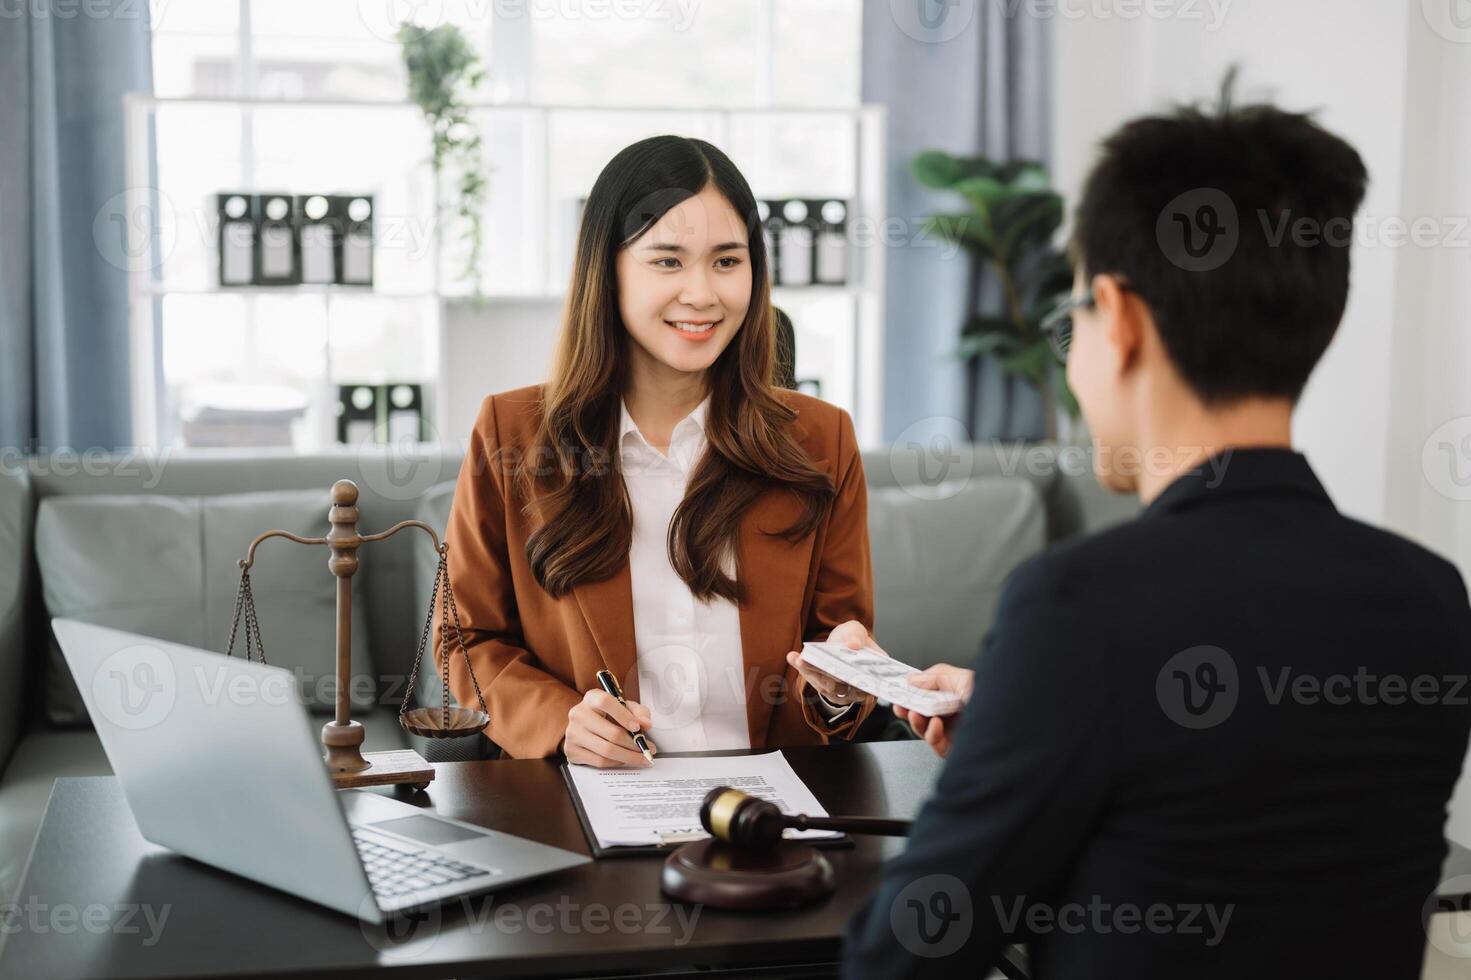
691	671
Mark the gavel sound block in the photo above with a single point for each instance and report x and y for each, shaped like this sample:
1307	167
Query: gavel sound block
746	864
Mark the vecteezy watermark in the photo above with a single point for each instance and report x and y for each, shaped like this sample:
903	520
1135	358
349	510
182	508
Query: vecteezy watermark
932	916
1451	19
937	21
1100	917
409	935
1038	461
138	229
406	468
931	459
1282	226
1363	687
932	21
383	18
1447	917
64	919
1446	459
1197	688
38	460
136	687
83	9
1200	687
1199	229
1212	13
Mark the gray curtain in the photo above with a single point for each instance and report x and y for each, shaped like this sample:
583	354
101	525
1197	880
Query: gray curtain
64	350
965	77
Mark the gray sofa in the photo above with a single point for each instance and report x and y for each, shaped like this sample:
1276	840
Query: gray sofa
149	544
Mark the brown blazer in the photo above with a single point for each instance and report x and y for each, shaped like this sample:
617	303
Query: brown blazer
535	655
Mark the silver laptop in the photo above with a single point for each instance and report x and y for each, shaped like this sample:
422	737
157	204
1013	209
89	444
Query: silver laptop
219	761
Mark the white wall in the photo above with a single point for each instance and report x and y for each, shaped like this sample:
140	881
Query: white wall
504	344
1399	371
1345	56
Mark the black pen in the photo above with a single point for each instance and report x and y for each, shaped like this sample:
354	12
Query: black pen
610	684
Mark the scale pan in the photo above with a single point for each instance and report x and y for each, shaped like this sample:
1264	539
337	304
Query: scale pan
430	722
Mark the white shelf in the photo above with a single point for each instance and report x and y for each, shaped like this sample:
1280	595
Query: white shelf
531	184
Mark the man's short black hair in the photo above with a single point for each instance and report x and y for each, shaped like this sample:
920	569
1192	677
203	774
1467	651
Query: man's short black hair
1234	225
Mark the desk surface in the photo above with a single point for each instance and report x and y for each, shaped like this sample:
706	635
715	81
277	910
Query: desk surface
99	900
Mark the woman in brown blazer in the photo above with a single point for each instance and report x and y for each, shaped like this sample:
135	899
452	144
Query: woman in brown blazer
660	508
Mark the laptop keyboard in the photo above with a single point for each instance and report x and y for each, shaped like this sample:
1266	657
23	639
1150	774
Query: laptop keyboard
395	868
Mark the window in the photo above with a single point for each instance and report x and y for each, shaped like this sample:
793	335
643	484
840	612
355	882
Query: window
280	95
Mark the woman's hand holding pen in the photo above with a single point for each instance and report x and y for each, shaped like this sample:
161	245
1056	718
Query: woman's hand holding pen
600	731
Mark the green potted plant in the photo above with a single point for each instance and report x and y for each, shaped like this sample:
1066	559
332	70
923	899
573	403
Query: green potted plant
1007	227
443	70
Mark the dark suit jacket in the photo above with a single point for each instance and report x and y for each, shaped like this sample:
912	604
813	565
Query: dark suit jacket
535	654
1217	741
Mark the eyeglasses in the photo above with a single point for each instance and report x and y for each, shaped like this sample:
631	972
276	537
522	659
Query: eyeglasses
1057	326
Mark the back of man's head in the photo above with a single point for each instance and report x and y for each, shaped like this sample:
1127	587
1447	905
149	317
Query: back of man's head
1233	225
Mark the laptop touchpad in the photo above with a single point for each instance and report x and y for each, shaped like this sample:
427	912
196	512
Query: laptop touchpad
428	830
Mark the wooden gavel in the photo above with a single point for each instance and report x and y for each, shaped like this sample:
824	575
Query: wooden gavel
753	824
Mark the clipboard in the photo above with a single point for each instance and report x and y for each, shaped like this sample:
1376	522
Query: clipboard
656	850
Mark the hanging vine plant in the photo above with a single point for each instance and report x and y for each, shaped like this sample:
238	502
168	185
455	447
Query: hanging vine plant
444	70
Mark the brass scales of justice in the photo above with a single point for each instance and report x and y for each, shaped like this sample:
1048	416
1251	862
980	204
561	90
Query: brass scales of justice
342	737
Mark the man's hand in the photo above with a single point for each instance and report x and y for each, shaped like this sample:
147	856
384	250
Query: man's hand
937	731
853	635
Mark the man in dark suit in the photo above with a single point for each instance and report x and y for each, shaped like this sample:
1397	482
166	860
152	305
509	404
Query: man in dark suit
1218	740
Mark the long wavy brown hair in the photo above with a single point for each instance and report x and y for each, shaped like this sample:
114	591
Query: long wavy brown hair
583	520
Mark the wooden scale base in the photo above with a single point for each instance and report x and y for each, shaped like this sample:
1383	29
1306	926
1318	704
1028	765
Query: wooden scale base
352	768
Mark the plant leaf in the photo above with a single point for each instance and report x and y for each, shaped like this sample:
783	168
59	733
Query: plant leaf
1026	222
941	170
1031	362
977	345
965	230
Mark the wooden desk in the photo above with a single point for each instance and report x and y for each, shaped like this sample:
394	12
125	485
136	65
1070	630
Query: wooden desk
607	917
91	867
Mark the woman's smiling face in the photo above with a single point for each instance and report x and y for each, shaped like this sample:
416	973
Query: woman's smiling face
684	285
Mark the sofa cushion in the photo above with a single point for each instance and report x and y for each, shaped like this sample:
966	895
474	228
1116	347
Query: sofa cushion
940	558
15	559
1072	500
167	567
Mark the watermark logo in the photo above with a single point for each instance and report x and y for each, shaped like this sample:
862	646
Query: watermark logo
402	935
1199	229
1198	688
65	919
1447	917
136	229
1446	459
673	683
383	18
927	458
135	687
932	21
410	935
406	467
932	916
1101	918
1451	19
